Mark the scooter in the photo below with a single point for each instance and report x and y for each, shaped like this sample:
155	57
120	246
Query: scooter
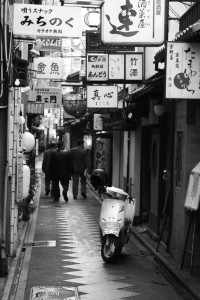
116	216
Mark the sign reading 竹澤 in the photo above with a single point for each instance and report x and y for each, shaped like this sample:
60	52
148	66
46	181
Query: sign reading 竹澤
182	70
102	96
133	21
134	66
45	20
48	67
97	67
50	97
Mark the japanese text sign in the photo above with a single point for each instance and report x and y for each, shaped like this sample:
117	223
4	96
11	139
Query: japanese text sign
97	67
50	44
98	121
51	97
102	96
141	22
48	67
116	66
45	20
182	71
134	66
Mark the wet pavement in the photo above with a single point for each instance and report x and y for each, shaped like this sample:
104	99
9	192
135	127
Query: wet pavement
61	256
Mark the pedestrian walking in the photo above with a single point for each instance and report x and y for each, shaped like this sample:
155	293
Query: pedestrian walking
60	169
46	168
79	158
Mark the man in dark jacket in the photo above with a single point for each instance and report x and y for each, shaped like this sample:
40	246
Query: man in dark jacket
79	158
46	168
60	171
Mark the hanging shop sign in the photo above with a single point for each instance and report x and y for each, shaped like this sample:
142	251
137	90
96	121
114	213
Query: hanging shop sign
94	44
50	43
35	108
133	21
48	67
182	70
102	96
50	97
119	67
40	20
98	120
118	124
97	67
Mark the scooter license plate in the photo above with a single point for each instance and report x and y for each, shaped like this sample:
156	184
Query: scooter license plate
110	228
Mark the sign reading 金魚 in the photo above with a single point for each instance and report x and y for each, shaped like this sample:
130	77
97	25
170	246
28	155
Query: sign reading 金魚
45	20
182	70
51	97
48	67
133	21
102	96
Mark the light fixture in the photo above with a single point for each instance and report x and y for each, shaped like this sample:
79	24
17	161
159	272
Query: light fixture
28	141
159	109
35	53
25	89
87	141
17	82
92	19
21	118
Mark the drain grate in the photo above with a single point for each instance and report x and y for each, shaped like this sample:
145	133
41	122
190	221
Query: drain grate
40	244
54	293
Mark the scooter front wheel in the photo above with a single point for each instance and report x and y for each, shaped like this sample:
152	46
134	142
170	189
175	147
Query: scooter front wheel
110	248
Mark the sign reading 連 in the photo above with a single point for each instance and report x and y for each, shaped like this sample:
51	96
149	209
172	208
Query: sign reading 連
45	20
51	97
102	96
97	67
133	21
48	67
182	70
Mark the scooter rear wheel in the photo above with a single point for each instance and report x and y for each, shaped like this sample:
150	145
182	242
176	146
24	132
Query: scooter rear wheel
111	249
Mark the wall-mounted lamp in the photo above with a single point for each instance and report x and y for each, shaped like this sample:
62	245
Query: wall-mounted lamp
21	118
35	53
159	109
25	89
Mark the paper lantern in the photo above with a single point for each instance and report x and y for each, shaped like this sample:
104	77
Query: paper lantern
28	141
26	181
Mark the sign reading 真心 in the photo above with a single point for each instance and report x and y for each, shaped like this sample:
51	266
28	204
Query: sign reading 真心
102	96
45	20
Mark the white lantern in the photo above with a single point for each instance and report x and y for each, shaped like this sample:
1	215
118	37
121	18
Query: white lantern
28	141
26	181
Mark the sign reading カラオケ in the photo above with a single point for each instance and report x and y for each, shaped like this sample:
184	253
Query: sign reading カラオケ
45	20
48	67
140	22
182	70
102	96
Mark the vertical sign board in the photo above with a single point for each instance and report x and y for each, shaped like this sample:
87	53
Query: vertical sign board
133	21
98	120
134	66
48	67
182	71
45	20
192	198
19	182
116	66
102	96
97	67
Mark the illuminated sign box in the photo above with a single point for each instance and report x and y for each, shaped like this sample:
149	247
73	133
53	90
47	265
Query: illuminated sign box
133	22
46	20
182	71
102	96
